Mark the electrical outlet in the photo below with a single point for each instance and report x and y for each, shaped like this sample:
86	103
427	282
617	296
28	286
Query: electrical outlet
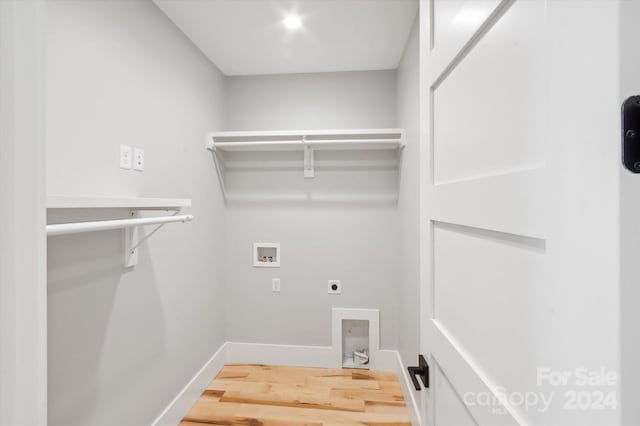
125	157
334	287
138	159
275	285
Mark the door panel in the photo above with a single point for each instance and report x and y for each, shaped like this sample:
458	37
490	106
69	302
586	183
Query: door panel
490	119
489	301
518	205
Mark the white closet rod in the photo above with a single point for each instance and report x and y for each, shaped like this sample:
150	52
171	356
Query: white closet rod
103	225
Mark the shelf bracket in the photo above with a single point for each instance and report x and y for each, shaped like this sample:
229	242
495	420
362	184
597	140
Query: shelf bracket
132	241
130	238
309	166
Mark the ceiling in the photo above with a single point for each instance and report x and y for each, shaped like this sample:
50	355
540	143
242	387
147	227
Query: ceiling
245	37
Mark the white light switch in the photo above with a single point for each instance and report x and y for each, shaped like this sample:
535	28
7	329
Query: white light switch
275	285
125	157
138	159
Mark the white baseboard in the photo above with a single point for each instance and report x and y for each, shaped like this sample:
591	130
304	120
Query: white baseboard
290	355
268	354
297	356
189	395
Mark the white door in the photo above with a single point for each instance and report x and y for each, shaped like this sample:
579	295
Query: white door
520	295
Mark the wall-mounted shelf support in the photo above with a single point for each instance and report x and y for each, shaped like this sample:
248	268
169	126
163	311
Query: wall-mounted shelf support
130	227
72	202
132	241
307	141
309	164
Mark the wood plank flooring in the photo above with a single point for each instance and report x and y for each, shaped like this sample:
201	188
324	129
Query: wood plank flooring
261	395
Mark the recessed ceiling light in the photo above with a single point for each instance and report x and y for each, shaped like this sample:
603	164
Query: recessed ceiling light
292	22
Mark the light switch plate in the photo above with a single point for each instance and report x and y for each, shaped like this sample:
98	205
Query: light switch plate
125	157
275	285
138	159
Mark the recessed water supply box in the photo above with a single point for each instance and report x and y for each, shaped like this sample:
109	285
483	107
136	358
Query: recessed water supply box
266	255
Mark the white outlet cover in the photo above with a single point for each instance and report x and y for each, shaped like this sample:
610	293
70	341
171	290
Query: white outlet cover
330	285
138	159
125	157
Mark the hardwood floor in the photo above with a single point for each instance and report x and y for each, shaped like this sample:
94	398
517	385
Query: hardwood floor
264	395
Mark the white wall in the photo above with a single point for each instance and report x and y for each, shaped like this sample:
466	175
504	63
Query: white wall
409	202
354	241
122	343
23	309
311	101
